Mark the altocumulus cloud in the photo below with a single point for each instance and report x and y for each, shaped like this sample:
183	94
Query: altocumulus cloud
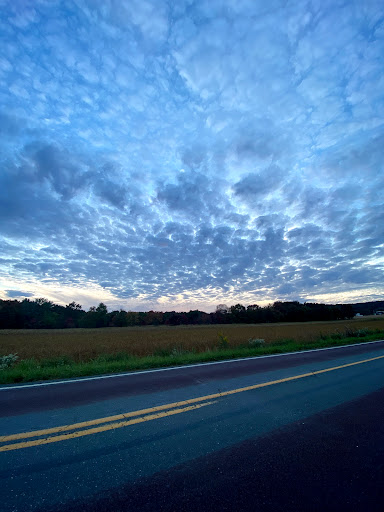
178	156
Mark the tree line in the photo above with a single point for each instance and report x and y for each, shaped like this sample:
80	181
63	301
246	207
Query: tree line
44	314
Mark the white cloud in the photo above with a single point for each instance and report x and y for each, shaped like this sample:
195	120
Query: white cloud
194	152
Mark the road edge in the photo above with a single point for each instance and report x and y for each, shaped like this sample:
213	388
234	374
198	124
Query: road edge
6	387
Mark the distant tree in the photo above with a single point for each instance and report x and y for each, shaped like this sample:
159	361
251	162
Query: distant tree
41	301
132	318
102	308
154	318
197	317
119	319
347	311
95	317
102	315
174	318
10	315
222	309
73	314
74	306
238	313
254	313
44	314
221	316
289	311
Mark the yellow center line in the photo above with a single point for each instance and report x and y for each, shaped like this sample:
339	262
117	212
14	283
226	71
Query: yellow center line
177	407
76	426
96	430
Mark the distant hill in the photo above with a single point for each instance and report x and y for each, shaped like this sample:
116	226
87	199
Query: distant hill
368	308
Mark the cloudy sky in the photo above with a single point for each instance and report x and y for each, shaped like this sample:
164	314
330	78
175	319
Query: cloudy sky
180	154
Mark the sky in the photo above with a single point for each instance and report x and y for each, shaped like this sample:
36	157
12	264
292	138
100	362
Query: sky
174	155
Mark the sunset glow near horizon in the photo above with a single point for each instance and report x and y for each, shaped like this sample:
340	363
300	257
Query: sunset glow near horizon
177	155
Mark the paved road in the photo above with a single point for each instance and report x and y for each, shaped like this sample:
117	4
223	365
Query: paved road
294	432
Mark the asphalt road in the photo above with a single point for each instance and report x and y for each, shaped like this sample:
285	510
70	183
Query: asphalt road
295	432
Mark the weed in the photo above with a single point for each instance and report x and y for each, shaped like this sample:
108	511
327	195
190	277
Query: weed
179	351
119	356
350	332
364	332
162	352
285	342
256	342
8	361
223	341
55	362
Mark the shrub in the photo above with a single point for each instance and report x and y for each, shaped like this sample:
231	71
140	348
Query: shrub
256	342
357	333
223	340
8	361
179	351
364	332
162	352
55	362
337	335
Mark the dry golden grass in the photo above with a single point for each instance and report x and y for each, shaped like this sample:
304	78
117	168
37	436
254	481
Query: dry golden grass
86	344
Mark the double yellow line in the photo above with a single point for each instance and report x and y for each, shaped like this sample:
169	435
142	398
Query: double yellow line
86	428
108	423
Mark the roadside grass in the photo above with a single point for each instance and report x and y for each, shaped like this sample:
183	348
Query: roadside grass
32	369
83	345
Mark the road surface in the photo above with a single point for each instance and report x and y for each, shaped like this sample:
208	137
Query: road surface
293	432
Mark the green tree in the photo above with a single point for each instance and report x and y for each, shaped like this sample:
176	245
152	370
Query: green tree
74	306
238	313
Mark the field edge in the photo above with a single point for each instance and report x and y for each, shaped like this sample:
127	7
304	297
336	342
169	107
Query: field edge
34	371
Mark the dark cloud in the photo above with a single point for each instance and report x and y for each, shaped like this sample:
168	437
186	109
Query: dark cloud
211	245
360	158
18	293
260	139
110	192
254	186
193	157
194	194
58	167
285	289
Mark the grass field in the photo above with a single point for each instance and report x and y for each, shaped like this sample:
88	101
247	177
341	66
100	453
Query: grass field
85	344
49	354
